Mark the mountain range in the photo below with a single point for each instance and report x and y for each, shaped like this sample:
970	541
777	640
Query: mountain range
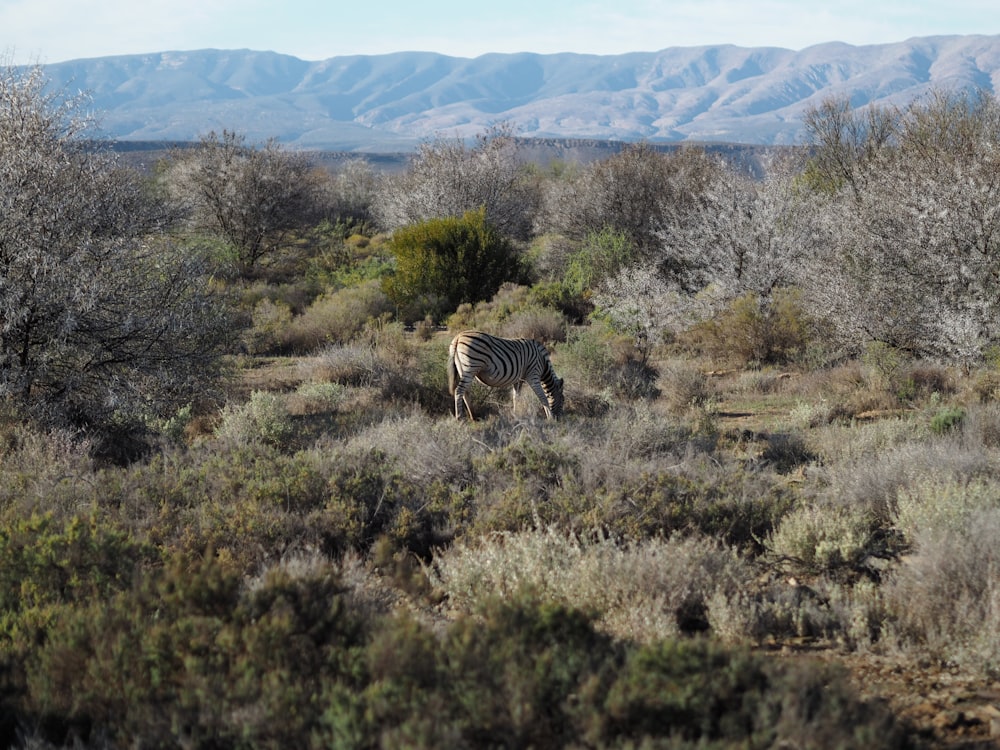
391	102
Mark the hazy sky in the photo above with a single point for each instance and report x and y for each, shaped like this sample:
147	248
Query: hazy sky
49	31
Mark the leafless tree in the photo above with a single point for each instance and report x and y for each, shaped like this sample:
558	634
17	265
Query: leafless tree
916	257
352	192
637	192
448	178
746	234
252	196
101	319
846	142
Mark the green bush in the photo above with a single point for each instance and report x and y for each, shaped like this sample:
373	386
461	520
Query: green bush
601	255
947	419
191	657
441	263
263	418
597	359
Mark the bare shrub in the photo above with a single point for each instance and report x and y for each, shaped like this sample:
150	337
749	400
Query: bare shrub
683	386
944	600
644	592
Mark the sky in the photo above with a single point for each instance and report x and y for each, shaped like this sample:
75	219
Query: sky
51	31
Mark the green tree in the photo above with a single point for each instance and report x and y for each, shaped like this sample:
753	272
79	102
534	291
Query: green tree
441	263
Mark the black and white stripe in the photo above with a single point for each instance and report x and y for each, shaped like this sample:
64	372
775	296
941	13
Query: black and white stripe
502	363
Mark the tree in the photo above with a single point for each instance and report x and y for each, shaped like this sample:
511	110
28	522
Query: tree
637	192
745	235
441	263
447	178
915	257
745	239
102	320
846	143
250	196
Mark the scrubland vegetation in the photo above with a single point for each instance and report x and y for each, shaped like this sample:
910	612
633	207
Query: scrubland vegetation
236	509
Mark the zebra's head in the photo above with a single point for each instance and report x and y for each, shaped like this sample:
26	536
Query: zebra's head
556	395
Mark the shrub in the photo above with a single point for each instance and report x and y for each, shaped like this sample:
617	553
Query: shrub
943	602
337	317
270	321
263	418
947	419
190	657
319	397
194	654
752	331
595	358
831	540
641	592
529	673
441	263
540	324
683	386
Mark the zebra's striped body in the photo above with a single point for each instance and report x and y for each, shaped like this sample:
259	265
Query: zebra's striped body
502	363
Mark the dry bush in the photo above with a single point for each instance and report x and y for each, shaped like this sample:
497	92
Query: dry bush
644	592
538	323
639	431
337	317
761	382
269	325
840	443
986	386
39	469
871	484
424	449
944	600
981	426
353	364
785	608
683	386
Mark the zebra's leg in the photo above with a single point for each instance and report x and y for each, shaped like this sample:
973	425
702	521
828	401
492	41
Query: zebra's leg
536	386
461	397
515	389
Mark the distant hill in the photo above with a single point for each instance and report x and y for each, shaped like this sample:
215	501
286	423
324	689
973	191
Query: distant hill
389	103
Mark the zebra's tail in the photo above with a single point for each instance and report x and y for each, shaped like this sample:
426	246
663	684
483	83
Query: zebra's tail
452	373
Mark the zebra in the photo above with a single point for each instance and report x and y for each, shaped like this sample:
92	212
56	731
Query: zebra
499	363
